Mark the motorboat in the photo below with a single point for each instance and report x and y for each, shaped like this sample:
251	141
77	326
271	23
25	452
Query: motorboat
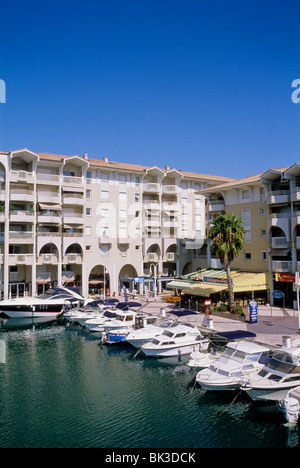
203	359
142	322
142	335
218	342
290	405
239	360
94	323
112	319
277	377
177	340
124	320
49	304
87	312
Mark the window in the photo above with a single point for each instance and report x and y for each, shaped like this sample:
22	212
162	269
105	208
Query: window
88	211
88	230
104	194
137	181
247	256
262	211
88	248
88	193
263	232
245	194
264	256
122	196
246	217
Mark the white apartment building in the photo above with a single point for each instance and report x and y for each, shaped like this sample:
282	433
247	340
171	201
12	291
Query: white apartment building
79	221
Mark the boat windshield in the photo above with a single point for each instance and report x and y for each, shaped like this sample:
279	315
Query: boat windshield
109	314
283	363
168	333
55	294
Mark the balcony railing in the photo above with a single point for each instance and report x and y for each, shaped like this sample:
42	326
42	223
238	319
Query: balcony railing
72	180
283	266
151	187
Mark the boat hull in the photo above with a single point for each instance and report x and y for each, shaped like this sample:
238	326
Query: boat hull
29	312
269	394
169	352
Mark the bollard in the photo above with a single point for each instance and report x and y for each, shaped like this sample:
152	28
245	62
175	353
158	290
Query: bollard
210	323
163	312
286	341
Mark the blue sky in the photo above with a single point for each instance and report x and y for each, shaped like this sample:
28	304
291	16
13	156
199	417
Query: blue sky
200	85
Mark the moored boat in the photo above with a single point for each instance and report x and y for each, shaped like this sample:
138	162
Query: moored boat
177	340
49	304
277	377
240	359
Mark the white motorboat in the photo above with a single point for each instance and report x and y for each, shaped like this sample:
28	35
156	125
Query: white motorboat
277	377
94	323
203	359
177	340
142	322
290	405
124	320
142	335
49	304
87	312
240	359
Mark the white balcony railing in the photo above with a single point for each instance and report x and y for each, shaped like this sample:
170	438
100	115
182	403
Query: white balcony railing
282	266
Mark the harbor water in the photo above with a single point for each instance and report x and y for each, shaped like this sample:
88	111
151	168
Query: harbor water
60	388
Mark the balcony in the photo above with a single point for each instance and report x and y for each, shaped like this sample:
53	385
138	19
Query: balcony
151	257
72	258
278	196
169	257
49	216
22	216
73	199
216	206
51	179
25	237
151	188
22	176
282	266
73	218
169	190
21	195
295	194
72	181
47	259
48	197
20	259
280	243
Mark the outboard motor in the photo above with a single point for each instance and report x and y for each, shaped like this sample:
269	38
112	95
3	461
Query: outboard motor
289	407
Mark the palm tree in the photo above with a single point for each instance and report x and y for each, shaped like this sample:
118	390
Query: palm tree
227	234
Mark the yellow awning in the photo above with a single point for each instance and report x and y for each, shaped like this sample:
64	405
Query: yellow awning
205	289
247	281
243	281
179	284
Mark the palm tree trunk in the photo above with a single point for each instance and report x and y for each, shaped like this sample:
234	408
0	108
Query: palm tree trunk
230	287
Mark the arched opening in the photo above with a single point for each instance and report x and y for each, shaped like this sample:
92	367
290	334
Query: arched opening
99	281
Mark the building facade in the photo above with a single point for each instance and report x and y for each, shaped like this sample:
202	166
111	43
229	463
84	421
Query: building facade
269	204
88	222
